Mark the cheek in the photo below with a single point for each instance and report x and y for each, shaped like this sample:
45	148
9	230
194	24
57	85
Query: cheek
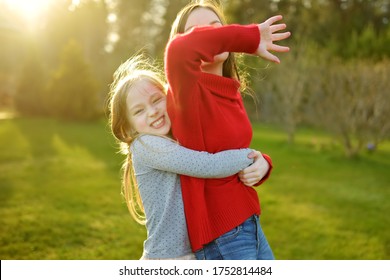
137	124
162	106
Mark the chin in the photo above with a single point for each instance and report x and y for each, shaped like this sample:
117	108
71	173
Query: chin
164	132
221	57
218	59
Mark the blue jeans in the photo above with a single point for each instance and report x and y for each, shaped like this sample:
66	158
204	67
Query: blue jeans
245	242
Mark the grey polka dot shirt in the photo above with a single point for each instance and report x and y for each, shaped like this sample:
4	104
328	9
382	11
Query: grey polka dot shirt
157	161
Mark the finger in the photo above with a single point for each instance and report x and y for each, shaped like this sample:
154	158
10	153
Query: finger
244	180
274	19
280	36
277	48
249	183
250	176
254	166
269	56
254	154
243	176
248	170
277	27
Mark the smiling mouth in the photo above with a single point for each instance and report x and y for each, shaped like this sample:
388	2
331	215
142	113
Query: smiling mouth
158	123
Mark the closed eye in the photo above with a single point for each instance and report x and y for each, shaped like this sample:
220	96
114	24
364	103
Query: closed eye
137	112
157	100
214	23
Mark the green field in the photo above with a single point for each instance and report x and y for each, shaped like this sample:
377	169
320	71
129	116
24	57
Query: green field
60	195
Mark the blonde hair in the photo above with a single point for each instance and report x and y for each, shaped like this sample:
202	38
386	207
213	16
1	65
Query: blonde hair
135	69
230	69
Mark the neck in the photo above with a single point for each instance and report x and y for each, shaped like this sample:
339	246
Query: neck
213	68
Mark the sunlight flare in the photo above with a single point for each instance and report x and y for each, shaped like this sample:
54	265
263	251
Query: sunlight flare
31	12
29	9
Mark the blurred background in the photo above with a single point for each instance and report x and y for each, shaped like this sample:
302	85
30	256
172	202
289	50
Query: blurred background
323	115
335	76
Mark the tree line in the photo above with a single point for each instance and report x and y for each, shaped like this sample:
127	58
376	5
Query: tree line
335	76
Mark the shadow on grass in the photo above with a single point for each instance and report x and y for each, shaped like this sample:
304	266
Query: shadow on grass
60	193
41	134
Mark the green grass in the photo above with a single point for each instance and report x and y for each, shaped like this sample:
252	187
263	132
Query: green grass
319	204
60	195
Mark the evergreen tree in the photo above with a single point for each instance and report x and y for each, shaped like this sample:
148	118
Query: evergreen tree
73	91
29	99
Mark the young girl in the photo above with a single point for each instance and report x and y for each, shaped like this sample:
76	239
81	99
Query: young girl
207	113
151	186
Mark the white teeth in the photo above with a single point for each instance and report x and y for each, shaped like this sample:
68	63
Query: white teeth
158	122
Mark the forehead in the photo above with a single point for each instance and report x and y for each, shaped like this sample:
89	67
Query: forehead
141	90
145	86
201	16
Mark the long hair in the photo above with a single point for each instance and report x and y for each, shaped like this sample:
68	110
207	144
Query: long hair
230	69
125	77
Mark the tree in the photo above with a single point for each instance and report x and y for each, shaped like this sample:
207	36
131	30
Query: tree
352	101
288	85
72	89
86	23
132	31
172	7
29	98
13	45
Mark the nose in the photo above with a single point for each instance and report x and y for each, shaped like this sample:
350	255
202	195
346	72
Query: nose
153	110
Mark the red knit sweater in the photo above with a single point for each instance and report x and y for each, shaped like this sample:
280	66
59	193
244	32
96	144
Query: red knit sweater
208	114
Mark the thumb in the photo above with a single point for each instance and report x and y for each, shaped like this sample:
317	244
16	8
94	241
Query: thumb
254	154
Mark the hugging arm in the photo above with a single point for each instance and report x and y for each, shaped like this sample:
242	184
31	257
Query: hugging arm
166	155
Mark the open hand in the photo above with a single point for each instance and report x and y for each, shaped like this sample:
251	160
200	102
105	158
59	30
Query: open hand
268	36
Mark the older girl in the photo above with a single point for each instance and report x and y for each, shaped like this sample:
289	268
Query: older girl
207	113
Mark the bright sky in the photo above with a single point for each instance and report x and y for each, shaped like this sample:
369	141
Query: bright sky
30	10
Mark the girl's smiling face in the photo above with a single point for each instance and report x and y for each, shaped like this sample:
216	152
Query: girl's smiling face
147	109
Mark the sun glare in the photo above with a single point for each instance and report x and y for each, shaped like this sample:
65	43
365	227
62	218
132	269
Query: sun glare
29	9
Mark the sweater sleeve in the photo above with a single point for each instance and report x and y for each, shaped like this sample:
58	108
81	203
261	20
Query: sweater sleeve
183	58
185	52
166	155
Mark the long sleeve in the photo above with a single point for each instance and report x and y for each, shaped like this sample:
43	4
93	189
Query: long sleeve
165	155
184	55
208	114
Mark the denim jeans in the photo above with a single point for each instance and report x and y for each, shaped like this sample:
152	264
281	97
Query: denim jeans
245	242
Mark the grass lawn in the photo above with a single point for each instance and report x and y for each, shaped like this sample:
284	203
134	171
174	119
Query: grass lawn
319	204
60	195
